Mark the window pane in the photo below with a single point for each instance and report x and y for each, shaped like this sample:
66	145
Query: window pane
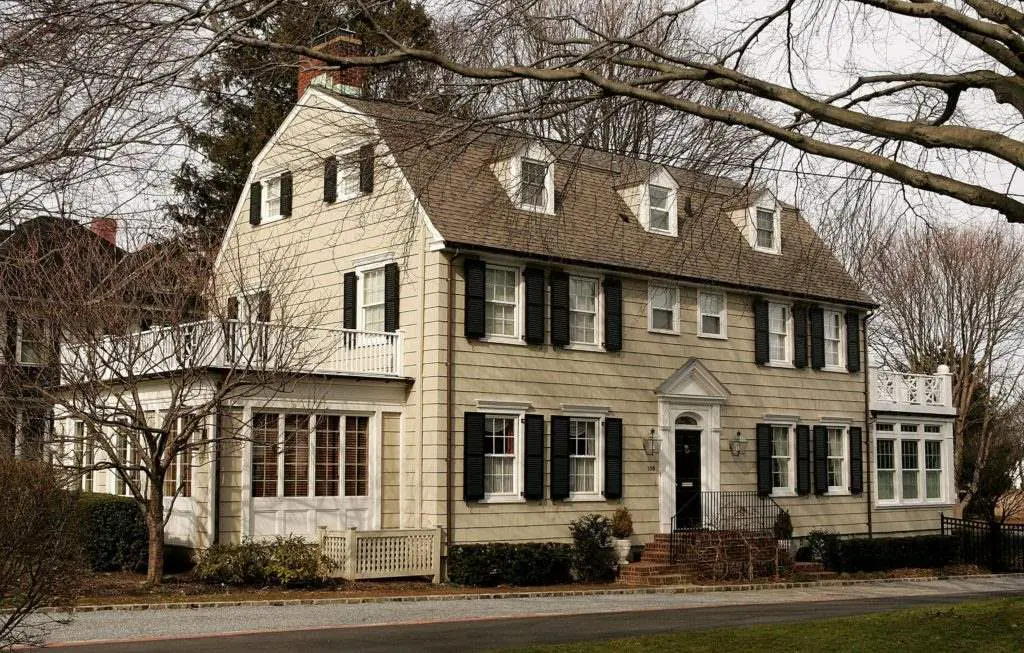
348	176
357	457
886	485
296	455
582	310
328	442
659	208
582	455
499	455
33	342
780	457
272	192
833	331
373	300
765	228
533	187
836	456
933	469
500	306
662	319
264	455
909	460
663	306
778	328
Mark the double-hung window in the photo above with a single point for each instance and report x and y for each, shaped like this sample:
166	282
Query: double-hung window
834	349
272	197
932	469
659	218
178	478
910	463
836	459
373	300
500	301
264	454
583	455
500	452
533	176
779	342
31	341
664	308
348	175
711	306
765	228
782	458
583	310
885	463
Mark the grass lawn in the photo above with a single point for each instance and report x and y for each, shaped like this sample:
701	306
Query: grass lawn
989	626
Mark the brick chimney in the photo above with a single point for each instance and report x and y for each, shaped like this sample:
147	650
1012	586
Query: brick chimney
105	228
347	81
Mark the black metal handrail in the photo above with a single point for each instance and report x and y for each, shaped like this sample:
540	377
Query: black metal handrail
738	511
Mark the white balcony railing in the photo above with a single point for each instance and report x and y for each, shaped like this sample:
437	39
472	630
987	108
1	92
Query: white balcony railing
237	345
912	393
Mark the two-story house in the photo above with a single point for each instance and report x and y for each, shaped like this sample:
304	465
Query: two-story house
517	332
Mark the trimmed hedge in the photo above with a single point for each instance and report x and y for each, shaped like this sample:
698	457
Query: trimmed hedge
505	563
113	532
885	553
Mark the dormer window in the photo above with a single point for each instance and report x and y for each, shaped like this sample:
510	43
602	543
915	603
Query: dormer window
660	218
760	222
653	202
533	177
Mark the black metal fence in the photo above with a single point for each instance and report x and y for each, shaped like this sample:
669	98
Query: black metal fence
1000	547
740	511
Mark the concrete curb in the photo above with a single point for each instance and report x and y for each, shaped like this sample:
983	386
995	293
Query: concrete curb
666	589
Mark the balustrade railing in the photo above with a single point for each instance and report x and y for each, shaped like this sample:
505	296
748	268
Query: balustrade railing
895	391
738	511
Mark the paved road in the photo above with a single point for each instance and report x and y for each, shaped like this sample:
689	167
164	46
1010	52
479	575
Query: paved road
469	625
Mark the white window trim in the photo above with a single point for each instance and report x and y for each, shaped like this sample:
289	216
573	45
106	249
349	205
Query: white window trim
651	286
598	493
517	336
518	467
597	344
776	247
788	361
839	490
18	341
347	155
533	154
944	438
265	215
841	367
723	316
790	490
673	211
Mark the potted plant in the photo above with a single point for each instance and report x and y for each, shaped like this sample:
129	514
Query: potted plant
622	530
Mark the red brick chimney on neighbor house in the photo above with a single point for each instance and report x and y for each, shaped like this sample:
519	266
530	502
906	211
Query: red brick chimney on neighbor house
347	81
105	228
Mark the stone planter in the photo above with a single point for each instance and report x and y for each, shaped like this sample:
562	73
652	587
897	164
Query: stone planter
622	548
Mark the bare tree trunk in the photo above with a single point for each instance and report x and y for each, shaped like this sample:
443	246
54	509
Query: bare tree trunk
155	531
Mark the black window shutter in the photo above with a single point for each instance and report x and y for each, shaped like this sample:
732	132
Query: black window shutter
391	297
255	202
366	169
286	194
760	331
12	336
559	457
613	314
473	457
856	461
612	458
803	459
820	460
800	336
233	307
764	459
534	458
331	179
534	305
349	301
476	289
853	341
263	306
559	308
817	320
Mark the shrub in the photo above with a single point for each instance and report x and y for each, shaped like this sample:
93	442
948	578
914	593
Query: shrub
286	561
824	547
882	554
505	563
592	556
783	527
622	523
113	532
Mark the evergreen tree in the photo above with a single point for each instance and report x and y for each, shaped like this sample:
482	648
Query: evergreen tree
249	91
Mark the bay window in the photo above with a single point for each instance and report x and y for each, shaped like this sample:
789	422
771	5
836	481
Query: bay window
913	463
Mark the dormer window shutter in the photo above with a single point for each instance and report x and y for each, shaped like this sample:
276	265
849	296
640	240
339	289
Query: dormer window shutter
856	461
853	341
350	284
366	169
331	179
255	202
763	437
286	194
559	308
820	460
534	279
817	320
473	456
559	457
803	459
533	472
391	297
760	331
612	458
612	314
476	294
799	336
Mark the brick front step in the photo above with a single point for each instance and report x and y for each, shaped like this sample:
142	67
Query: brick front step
661	579
654	573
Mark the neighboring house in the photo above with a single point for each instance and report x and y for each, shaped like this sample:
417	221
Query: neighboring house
517	332
40	259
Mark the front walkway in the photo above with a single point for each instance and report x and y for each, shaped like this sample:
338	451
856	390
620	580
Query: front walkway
174	624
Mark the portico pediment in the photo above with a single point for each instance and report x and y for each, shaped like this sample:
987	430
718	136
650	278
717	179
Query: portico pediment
693	382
